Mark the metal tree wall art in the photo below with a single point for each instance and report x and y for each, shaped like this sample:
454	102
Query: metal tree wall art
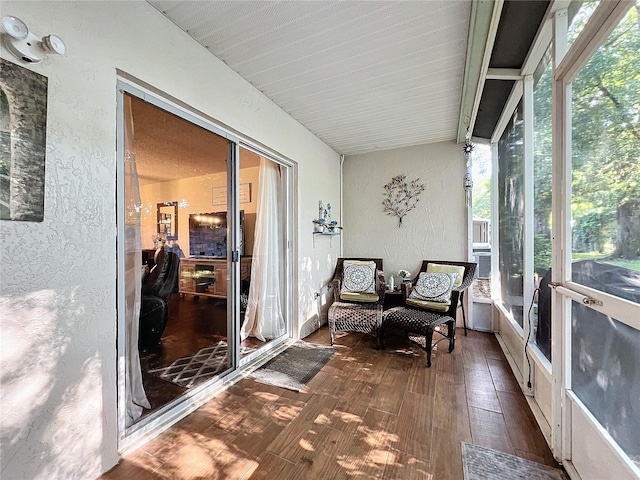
401	197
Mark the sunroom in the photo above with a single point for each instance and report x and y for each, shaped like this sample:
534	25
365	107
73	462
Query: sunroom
227	107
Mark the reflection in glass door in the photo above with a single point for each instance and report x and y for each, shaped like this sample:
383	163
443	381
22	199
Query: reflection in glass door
177	246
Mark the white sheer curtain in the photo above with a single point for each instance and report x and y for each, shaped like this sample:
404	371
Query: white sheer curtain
264	318
136	397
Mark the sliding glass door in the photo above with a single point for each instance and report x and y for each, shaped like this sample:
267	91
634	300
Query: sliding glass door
204	235
180	233
264	258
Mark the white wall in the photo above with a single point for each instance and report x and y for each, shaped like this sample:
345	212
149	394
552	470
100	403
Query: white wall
58	298
435	230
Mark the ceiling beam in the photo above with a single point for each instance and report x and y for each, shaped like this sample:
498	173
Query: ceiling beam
483	25
543	38
503	74
507	111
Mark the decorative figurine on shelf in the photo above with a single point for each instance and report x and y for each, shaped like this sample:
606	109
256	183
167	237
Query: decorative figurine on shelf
327	213
404	274
319	225
332	226
321	210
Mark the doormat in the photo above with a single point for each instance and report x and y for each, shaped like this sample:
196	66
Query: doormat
195	369
481	463
295	367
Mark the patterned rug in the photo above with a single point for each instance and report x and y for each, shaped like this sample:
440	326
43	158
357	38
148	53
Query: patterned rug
195	369
480	463
295	367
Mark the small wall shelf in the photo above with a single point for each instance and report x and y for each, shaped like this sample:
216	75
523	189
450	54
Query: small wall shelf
327	234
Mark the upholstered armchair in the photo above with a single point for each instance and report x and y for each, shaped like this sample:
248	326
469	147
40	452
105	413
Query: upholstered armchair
358	292
431	300
465	271
354	292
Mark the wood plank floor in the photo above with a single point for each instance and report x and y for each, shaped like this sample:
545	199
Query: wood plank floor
368	414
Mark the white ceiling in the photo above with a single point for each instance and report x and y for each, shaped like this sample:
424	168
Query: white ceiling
362	76
169	147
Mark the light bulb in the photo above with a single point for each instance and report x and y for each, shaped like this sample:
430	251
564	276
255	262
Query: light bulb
54	44
15	27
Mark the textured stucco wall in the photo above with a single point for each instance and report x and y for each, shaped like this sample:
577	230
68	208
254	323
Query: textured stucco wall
435	229
58	414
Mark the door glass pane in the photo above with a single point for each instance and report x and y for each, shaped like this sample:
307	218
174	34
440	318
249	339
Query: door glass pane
605	203
605	373
481	168
183	320
511	215
264	255
542	203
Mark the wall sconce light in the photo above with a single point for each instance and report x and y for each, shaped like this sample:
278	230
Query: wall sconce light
26	46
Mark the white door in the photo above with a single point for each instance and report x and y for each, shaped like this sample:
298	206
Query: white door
596	360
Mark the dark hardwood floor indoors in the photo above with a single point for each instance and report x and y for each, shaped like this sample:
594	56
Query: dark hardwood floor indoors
194	323
367	414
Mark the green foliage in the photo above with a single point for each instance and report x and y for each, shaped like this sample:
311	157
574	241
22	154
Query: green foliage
541	254
606	136
629	264
593	231
482	198
605	141
542	150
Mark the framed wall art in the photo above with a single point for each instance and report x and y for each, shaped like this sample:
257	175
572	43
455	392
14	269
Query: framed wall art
23	127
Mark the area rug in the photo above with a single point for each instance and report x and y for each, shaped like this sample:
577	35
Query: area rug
195	369
295	367
481	463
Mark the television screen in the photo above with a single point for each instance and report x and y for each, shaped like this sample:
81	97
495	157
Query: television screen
208	234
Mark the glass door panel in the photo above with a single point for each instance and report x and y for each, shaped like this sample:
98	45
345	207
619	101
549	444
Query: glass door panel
263	257
604	276
605	374
542	153
511	215
605	202
180	174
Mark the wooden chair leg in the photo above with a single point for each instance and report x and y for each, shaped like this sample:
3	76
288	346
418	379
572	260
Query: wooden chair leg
464	317
428	344
451	334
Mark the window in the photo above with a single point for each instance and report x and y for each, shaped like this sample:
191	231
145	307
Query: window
579	14
511	215
481	168
542	150
605	203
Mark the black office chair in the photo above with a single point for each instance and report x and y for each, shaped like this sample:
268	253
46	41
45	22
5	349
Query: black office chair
156	289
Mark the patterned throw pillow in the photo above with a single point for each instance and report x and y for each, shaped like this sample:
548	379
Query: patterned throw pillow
358	276
434	287
444	268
